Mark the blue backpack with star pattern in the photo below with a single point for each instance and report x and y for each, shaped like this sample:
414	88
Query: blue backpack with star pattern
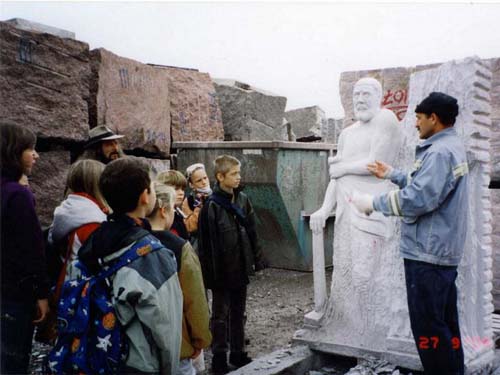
90	338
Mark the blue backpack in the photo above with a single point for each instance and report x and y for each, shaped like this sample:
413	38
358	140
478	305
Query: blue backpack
90	337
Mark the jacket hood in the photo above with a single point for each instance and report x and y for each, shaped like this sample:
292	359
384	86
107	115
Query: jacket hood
113	235
75	211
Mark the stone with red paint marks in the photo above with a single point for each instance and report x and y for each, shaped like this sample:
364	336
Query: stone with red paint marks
132	99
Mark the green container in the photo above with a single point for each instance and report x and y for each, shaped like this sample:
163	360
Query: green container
286	182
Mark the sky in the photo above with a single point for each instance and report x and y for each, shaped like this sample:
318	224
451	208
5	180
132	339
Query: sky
291	49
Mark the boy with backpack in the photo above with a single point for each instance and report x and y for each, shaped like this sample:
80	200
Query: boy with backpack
229	252
140	274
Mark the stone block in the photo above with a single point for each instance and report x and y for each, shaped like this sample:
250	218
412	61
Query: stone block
36	27
249	112
48	182
194	109
495	244
132	99
44	83
308	121
331	130
157	165
495	87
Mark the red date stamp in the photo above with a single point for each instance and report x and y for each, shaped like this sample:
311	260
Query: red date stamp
432	342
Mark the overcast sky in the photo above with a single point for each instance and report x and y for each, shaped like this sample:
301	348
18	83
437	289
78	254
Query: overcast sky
296	50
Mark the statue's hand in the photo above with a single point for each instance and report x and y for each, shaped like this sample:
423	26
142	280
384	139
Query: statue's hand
362	202
379	169
317	221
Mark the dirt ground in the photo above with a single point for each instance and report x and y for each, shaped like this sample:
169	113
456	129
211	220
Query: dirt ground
276	304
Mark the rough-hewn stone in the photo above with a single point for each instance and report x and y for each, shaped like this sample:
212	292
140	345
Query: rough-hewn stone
495	118
249	114
157	165
331	130
194	109
36	27
132	99
308	121
48	182
495	243
44	83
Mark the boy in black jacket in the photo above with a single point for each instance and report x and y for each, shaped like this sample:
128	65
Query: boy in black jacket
229	253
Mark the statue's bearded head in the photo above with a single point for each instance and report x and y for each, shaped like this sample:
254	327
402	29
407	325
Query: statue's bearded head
367	96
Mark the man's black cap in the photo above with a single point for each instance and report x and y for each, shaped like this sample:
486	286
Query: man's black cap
443	105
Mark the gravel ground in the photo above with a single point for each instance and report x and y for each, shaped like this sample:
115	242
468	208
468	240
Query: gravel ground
276	303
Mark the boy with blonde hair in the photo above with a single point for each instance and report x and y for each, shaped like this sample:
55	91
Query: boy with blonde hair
229	252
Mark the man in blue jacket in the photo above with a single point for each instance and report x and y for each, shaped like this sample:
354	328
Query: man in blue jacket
432	201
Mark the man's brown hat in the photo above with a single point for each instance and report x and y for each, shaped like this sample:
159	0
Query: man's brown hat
101	133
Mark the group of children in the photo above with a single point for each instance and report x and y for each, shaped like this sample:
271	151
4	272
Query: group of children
208	240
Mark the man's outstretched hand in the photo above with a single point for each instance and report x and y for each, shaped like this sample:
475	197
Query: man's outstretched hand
379	169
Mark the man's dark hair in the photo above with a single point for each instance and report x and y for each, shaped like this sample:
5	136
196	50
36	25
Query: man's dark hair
123	181
442	105
15	140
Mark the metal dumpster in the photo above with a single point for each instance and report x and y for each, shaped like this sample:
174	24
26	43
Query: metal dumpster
286	182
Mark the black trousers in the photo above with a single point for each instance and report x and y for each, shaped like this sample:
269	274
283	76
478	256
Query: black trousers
17	336
432	304
228	319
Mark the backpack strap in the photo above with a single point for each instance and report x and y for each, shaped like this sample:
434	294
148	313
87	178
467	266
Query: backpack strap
142	247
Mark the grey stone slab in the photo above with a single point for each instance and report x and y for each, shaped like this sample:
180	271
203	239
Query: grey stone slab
307	121
495	244
36	27
44	83
248	113
157	165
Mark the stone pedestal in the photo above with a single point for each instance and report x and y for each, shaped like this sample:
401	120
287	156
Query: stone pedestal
469	81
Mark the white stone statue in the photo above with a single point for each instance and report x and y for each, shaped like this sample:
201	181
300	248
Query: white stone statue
363	245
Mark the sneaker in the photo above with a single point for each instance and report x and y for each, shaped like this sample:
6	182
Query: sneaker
219	364
239	359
